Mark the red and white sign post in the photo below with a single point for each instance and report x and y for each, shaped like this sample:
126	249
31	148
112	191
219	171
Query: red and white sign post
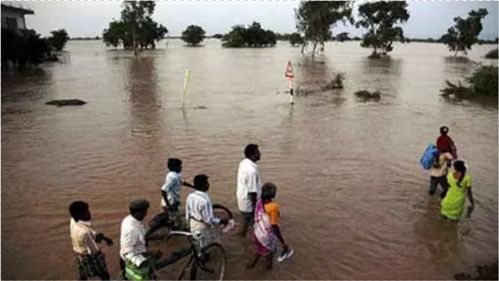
290	76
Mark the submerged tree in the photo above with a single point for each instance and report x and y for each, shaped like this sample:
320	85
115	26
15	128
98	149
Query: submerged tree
58	39
253	36
193	35
25	47
295	39
316	19
379	19
135	29
464	33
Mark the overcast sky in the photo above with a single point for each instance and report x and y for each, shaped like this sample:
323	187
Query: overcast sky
89	18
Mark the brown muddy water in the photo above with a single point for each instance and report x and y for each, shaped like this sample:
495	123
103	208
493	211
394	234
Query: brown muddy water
353	196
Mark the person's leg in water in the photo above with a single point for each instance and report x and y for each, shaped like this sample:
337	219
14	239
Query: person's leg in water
159	221
82	276
253	261
104	276
433	185
123	270
270	261
247	221
444	184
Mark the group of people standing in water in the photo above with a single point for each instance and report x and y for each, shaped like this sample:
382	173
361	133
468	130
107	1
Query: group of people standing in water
256	203
455	184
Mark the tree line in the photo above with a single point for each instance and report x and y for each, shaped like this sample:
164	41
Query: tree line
315	21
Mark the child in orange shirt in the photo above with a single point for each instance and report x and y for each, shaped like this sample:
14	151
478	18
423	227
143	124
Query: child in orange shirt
266	229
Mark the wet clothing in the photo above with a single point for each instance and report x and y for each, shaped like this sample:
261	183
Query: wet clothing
435	181
83	237
199	215
452	206
132	240
439	167
438	174
91	265
199	208
173	182
446	144
248	181
89	261
263	236
272	210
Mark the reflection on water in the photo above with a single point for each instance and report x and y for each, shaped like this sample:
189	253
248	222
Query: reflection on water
353	196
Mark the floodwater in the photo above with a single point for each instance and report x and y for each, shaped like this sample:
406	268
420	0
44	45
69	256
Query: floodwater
354	198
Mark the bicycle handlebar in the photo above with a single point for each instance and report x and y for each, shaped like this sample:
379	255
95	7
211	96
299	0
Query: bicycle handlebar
184	233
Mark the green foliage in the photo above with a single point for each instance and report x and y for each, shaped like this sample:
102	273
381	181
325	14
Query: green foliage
296	39
315	19
492	54
58	39
483	81
217	36
464	33
116	34
379	19
193	35
136	28
23	48
252	36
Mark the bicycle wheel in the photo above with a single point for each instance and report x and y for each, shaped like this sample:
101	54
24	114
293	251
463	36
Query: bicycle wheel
210	263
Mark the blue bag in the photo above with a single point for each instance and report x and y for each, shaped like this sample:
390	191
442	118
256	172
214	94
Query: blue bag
428	156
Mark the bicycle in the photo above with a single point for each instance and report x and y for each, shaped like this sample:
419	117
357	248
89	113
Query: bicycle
207	256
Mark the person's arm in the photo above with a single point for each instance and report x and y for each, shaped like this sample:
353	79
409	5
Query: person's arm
100	237
184	183
252	182
253	198
209	217
92	246
165	197
277	232
470	197
448	157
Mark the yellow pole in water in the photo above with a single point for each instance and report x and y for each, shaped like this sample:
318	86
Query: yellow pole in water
186	83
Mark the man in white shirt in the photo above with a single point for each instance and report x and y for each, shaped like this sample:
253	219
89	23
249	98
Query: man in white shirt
249	186
132	239
199	210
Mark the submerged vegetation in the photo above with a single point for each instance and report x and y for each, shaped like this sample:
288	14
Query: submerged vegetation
315	19
251	36
136	29
482	83
379	19
368	96
26	47
464	33
193	35
492	54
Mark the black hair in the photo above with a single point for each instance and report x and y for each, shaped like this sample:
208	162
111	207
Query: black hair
444	130
174	163
135	210
250	149
269	191
78	209
460	166
200	181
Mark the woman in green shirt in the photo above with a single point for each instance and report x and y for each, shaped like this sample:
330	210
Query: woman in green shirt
459	187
